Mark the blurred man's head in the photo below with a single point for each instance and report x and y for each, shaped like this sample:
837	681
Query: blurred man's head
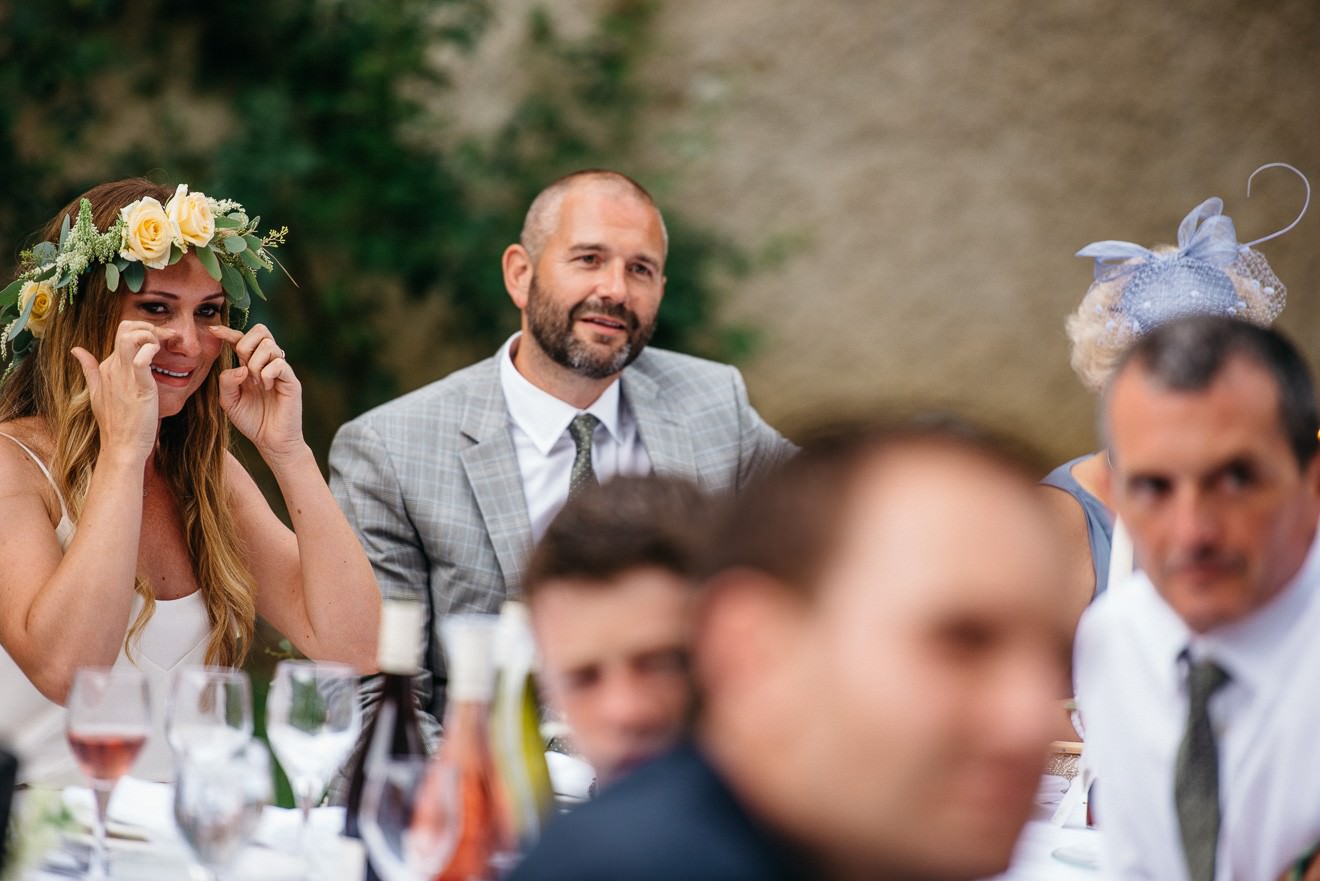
880	656
611	586
1211	425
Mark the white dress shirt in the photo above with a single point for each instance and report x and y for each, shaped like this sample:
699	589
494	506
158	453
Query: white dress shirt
1131	685
539	423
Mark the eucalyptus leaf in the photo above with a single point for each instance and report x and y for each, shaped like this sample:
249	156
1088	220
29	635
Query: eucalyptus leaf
176	254
253	242
232	282
251	279
9	296
223	222
21	324
207	258
112	276
44	253
250	260
235	244
134	274
64	230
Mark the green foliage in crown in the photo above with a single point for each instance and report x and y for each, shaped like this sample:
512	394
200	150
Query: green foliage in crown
145	235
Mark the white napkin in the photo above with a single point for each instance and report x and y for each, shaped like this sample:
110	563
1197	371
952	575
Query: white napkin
138	809
570	777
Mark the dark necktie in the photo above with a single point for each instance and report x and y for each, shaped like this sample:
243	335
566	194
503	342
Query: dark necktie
581	429
1196	779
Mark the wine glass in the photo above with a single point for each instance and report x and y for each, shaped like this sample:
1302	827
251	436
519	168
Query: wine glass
108	722
210	713
410	816
312	721
218	803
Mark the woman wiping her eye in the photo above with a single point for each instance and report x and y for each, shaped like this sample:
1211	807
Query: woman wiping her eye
131	535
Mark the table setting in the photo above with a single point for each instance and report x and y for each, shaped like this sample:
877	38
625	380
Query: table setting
215	820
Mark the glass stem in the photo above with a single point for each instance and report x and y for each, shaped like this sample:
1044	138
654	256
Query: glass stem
99	865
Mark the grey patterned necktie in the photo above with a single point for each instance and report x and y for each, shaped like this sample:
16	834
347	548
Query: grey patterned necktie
581	429
1196	779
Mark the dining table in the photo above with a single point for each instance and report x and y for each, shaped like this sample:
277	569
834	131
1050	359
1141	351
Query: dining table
145	844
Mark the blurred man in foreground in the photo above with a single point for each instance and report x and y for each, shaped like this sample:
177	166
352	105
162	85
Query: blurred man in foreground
1197	678
611	588
877	661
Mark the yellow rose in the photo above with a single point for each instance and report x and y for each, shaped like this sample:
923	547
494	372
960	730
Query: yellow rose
148	233
191	215
42	296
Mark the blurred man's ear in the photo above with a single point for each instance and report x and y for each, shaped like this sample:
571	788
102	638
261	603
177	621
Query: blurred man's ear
748	624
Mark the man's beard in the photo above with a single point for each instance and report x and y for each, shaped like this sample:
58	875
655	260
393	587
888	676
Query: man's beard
552	328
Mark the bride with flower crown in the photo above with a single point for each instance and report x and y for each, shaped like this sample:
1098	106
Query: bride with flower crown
130	533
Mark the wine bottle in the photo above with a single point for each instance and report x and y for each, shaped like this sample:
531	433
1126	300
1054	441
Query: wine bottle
483	835
394	730
515	725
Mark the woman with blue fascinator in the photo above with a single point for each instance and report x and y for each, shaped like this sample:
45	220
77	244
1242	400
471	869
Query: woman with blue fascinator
130	534
1134	290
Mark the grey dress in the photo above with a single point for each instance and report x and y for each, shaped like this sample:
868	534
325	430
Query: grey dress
1099	519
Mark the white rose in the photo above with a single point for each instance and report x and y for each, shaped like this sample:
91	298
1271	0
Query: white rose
148	233
192	218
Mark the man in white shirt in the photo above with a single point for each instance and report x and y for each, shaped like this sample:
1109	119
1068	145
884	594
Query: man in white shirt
1197	677
449	486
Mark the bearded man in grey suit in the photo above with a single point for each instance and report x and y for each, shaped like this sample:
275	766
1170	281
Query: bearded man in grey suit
449	486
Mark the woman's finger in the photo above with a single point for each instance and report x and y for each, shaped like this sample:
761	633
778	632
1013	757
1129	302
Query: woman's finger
231	382
228	334
275	369
91	368
249	342
146	353
265	352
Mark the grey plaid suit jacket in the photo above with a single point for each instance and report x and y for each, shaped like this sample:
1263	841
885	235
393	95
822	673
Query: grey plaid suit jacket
430	481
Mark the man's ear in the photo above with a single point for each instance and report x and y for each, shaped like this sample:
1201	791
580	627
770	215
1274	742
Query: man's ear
746	624
518	270
1312	474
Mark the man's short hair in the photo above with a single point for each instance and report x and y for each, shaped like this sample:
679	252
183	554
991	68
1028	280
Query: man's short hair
787	523
625	524
543	213
1188	354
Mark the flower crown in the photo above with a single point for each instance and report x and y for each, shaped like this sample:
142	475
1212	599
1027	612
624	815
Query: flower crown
145	235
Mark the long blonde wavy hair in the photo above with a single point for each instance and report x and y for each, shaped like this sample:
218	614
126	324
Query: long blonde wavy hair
192	448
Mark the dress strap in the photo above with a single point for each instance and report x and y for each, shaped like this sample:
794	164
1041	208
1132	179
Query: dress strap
64	512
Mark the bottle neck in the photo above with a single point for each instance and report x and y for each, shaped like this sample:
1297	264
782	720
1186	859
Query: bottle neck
466	717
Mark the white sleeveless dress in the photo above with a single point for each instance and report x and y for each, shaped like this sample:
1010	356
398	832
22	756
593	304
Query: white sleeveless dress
176	635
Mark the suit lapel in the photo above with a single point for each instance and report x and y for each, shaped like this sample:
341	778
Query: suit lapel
661	428
491	465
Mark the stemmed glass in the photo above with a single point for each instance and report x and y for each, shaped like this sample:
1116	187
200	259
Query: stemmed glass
109	720
313	721
218	803
410	817
210	713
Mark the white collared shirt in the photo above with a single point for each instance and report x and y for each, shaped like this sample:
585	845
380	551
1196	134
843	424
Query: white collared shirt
1131	687
539	423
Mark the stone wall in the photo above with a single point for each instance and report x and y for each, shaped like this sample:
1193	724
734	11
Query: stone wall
929	167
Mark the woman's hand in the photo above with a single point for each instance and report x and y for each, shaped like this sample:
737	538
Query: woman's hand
261	395
123	393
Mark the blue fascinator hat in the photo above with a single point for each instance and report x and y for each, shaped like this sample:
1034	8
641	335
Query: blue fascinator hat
1208	273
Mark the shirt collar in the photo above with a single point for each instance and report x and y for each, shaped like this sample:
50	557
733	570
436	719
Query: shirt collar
1251	649
543	417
